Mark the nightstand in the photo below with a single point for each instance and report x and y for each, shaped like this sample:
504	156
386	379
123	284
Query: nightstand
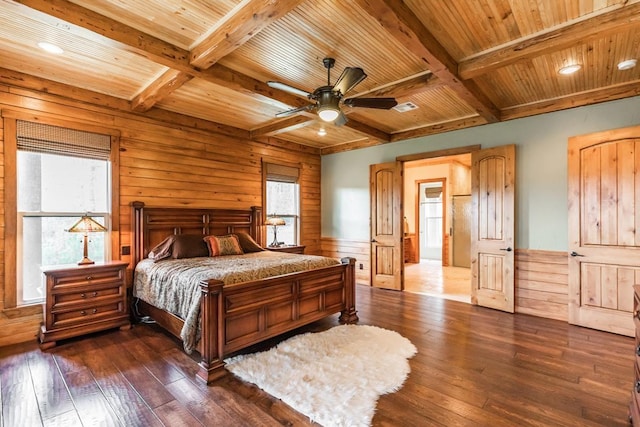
292	249
82	299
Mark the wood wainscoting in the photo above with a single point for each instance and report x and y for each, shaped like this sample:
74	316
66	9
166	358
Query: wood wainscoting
542	284
541	276
358	249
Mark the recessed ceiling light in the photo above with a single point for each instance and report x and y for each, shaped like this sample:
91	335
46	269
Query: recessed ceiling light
627	65
322	132
569	69
51	48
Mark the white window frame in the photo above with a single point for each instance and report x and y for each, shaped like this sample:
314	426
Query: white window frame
278	171
12	227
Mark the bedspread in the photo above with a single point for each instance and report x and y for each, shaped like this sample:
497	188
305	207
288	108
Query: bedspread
173	285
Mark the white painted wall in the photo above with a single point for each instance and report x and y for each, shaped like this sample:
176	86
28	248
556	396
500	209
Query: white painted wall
541	170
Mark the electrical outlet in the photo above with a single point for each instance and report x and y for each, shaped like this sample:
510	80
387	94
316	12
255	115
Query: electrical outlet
361	267
126	250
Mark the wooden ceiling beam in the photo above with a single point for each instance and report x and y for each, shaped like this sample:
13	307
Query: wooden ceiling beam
249	86
405	88
128	38
402	24
439	128
570	34
370	131
349	146
158	51
237	27
590	97
282	126
160	88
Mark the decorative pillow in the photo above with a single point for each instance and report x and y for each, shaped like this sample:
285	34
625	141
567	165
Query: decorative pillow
180	246
223	245
248	244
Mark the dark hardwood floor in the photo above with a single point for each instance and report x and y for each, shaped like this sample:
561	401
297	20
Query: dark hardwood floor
474	366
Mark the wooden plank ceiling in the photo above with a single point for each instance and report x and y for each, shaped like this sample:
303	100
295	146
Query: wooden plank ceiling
459	63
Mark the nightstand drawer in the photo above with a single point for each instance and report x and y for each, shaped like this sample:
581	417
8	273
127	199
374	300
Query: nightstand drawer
82	299
85	296
80	316
75	279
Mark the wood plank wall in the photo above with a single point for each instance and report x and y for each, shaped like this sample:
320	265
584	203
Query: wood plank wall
541	278
169	162
358	249
542	283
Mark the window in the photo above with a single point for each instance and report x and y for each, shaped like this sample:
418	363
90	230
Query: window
282	195
431	220
61	174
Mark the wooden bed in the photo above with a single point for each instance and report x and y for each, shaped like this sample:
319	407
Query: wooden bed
240	315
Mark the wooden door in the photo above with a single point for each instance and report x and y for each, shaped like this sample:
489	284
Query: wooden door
604	229
386	225
492	233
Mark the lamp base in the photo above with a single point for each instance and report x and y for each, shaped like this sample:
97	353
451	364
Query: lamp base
86	261
275	243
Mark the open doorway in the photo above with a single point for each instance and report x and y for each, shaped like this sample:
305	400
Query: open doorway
437	200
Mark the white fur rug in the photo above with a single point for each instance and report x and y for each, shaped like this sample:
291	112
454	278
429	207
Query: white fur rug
334	377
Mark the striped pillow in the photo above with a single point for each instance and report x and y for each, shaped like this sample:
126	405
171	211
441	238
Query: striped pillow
223	245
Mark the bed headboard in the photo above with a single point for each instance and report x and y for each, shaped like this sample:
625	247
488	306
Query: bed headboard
151	225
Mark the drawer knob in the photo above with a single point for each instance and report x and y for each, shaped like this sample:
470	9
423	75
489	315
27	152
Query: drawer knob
84	313
93	294
89	278
637	386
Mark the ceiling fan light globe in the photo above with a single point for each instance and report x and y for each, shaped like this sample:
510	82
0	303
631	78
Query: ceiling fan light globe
328	114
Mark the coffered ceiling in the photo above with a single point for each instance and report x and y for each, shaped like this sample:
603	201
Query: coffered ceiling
456	64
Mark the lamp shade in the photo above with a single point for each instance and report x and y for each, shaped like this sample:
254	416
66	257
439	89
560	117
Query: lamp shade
86	224
274	220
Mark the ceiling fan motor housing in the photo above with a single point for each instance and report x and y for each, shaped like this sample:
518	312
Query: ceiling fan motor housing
328	103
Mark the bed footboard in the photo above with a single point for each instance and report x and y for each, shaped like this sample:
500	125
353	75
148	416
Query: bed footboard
237	316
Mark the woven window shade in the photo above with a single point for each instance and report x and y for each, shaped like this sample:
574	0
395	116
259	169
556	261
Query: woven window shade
282	173
433	192
41	138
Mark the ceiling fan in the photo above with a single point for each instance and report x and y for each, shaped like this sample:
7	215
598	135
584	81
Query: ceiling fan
328	98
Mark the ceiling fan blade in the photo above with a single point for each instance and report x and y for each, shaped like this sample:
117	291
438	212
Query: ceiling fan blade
340	120
287	88
349	78
380	103
294	111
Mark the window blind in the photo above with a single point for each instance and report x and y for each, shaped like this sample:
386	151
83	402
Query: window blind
42	138
281	173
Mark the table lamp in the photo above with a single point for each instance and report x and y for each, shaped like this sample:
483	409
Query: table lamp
275	222
86	225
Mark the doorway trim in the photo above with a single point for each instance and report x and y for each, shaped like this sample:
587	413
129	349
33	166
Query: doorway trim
420	156
439	153
443	250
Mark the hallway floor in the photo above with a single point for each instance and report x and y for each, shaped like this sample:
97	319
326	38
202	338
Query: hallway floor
429	277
